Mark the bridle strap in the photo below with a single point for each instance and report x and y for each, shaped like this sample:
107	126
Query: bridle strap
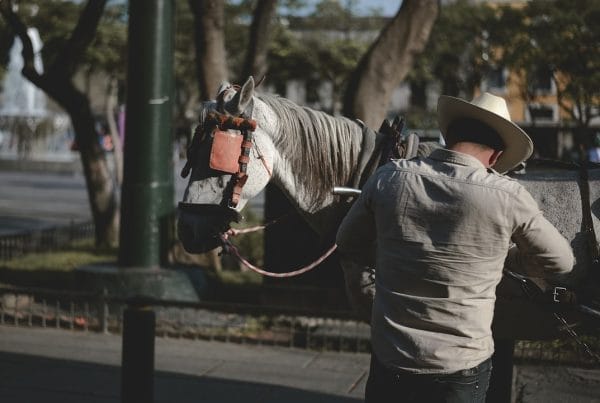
227	122
247	126
210	209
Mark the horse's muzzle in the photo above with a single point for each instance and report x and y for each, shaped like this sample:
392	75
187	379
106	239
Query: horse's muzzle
199	225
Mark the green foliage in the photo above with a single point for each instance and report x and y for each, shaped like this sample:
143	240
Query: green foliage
457	52
323	46
289	58
54	19
238	17
186	84
108	51
561	37
420	118
79	254
184	44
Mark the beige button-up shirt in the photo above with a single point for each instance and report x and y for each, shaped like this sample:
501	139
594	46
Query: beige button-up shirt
439	230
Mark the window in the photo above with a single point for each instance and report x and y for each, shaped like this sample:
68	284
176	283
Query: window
541	81
541	113
496	79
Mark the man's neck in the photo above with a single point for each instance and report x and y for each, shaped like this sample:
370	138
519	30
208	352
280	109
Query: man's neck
483	154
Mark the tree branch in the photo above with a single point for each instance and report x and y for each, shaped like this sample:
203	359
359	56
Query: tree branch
69	57
20	29
209	40
258	46
388	60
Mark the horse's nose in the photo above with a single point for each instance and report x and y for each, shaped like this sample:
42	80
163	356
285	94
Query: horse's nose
195	237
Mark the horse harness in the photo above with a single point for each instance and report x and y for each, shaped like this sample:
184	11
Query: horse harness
232	140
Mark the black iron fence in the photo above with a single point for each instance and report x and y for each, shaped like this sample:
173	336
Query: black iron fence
233	323
42	240
237	323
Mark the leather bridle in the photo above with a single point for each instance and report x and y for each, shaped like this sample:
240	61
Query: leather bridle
219	124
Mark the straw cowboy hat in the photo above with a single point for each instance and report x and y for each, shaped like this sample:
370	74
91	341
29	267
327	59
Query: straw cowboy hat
492	111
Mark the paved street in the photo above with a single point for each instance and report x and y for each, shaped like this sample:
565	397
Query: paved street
34	200
30	200
49	365
44	365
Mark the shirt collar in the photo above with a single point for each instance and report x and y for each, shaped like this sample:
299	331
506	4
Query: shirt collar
455	157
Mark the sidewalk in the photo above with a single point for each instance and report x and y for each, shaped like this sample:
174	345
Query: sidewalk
46	365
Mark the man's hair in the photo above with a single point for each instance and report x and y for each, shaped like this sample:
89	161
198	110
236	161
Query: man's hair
473	131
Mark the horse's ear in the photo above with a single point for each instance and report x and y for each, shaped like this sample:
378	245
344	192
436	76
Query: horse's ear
242	98
222	87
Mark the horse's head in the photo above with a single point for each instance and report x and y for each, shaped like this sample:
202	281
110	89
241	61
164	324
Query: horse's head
230	161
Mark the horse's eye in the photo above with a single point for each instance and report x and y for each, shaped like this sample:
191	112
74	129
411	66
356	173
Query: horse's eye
221	182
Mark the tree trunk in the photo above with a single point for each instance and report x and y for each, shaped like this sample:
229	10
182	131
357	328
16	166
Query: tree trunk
99	182
57	83
388	60
111	109
211	63
258	46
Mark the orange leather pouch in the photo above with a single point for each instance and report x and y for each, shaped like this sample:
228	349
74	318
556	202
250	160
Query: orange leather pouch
225	151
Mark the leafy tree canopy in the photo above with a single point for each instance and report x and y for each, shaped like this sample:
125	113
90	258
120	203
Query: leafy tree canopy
562	38
457	52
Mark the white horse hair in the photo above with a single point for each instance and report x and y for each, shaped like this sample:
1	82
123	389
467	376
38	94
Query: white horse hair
319	147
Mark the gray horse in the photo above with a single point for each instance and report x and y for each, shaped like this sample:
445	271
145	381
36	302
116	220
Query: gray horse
306	153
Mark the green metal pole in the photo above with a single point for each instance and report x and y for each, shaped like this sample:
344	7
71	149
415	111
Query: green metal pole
147	193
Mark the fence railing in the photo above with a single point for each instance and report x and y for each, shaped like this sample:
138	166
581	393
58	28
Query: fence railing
42	240
238	323
233	323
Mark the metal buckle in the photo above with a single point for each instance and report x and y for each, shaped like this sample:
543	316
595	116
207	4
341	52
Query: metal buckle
557	292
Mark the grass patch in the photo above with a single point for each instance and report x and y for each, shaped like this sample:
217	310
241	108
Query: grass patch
84	252
78	254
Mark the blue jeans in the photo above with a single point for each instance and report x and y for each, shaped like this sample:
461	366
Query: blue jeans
393	386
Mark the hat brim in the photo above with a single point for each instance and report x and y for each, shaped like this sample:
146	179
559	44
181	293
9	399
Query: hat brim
518	145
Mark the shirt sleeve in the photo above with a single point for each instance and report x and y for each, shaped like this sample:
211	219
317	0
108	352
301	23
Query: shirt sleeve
540	249
357	233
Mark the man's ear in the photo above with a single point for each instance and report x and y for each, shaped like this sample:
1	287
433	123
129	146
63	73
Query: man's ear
494	157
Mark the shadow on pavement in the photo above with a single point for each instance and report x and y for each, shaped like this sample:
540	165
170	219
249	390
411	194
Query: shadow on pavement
33	379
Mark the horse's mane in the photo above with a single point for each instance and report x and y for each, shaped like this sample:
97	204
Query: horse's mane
322	150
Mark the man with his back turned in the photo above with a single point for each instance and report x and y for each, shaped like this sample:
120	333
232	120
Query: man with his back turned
438	230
